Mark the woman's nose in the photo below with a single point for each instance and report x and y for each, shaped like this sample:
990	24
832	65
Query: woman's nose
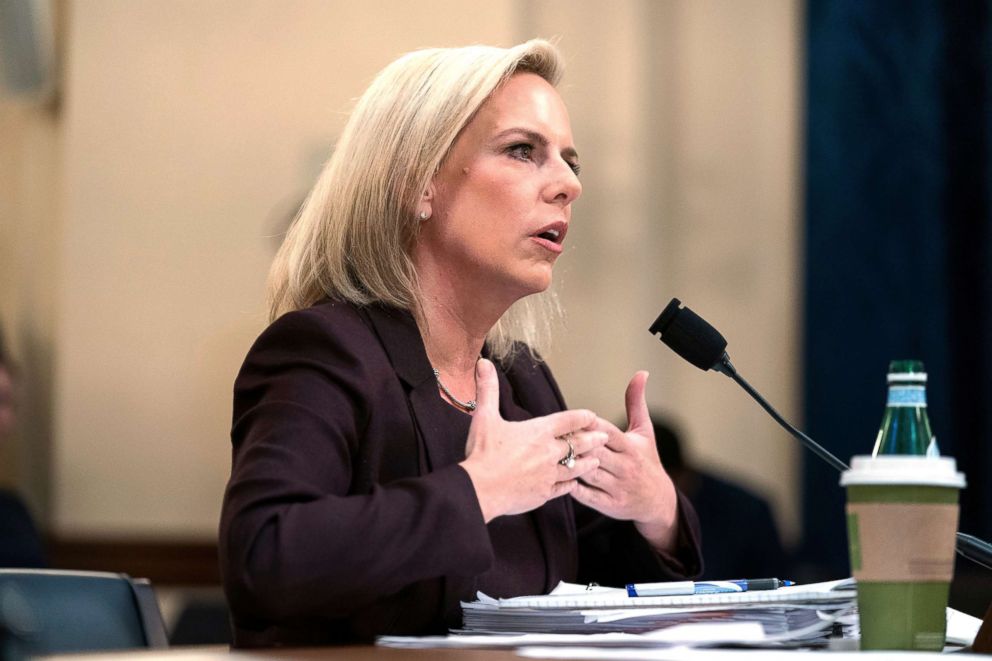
566	187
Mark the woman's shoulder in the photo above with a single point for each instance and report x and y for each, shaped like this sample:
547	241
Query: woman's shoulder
327	323
327	315
11	505
304	353
324	335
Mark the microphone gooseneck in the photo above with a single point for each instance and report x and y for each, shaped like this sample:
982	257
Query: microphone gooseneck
695	340
810	444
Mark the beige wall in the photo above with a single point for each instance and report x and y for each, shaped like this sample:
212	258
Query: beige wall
686	115
190	129
30	223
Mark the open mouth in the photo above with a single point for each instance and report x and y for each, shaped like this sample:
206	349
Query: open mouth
553	233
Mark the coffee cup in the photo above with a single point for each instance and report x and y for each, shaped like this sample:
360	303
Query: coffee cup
902	520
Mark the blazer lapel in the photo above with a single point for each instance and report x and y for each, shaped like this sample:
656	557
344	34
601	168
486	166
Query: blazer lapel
401	339
553	520
444	442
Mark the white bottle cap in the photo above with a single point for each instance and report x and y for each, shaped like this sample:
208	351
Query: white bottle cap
907	377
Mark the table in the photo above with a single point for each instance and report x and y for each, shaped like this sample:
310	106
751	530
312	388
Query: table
349	652
372	653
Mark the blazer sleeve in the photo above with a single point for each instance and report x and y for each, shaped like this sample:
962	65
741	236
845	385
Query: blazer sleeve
613	553
296	538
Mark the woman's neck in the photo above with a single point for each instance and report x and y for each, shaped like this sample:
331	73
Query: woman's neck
455	316
453	341
453	336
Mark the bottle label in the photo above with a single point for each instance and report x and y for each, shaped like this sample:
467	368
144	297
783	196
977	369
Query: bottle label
907	396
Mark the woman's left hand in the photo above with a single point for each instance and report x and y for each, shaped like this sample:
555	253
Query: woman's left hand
630	483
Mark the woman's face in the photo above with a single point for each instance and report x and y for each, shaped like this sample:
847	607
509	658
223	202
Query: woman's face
501	202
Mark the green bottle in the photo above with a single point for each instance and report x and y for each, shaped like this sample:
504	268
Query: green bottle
905	427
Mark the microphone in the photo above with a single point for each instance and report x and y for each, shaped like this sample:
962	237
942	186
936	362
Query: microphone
688	335
692	338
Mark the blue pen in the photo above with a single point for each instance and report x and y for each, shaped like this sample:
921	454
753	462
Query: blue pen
673	588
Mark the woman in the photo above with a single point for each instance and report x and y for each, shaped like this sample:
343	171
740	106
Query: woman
382	470
20	543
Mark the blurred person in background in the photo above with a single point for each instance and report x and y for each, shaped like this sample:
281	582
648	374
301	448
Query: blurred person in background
20	543
397	443
749	545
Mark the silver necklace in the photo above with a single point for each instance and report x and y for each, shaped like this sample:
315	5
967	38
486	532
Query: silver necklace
468	406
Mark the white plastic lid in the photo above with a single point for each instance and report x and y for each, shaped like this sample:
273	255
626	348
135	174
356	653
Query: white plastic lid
903	469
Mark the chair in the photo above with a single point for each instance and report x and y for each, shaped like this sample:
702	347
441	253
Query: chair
53	611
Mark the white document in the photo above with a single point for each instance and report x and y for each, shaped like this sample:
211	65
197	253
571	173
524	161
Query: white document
750	622
961	628
715	633
687	654
577	609
577	597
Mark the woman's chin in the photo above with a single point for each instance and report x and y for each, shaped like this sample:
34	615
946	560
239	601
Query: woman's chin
538	282
521	285
534	292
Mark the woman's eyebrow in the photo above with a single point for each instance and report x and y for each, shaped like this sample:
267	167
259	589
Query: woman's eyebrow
566	153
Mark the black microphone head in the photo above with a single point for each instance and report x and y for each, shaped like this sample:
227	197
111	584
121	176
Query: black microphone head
688	335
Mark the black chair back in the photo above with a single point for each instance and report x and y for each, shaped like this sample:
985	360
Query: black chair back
52	611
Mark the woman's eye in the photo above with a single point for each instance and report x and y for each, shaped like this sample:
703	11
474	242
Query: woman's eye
523	151
576	168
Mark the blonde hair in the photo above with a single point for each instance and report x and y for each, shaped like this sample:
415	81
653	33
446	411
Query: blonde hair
354	233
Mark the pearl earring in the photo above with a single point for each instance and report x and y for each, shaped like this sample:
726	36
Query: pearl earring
424	215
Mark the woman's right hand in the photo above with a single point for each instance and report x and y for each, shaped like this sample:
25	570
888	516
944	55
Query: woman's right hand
514	466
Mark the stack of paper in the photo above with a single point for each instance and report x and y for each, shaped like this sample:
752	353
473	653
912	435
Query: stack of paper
558	625
803	614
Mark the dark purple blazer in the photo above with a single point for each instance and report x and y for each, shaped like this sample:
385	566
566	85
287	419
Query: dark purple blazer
347	515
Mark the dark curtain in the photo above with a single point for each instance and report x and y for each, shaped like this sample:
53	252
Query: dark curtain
898	254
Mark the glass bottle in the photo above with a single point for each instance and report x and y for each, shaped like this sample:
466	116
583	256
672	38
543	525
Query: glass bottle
905	426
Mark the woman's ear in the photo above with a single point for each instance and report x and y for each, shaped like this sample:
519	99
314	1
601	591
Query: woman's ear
426	208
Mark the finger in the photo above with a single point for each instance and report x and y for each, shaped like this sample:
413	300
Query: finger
580	469
559	489
487	388
586	441
601	479
615	438
609	460
604	425
637	405
591	497
564	422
